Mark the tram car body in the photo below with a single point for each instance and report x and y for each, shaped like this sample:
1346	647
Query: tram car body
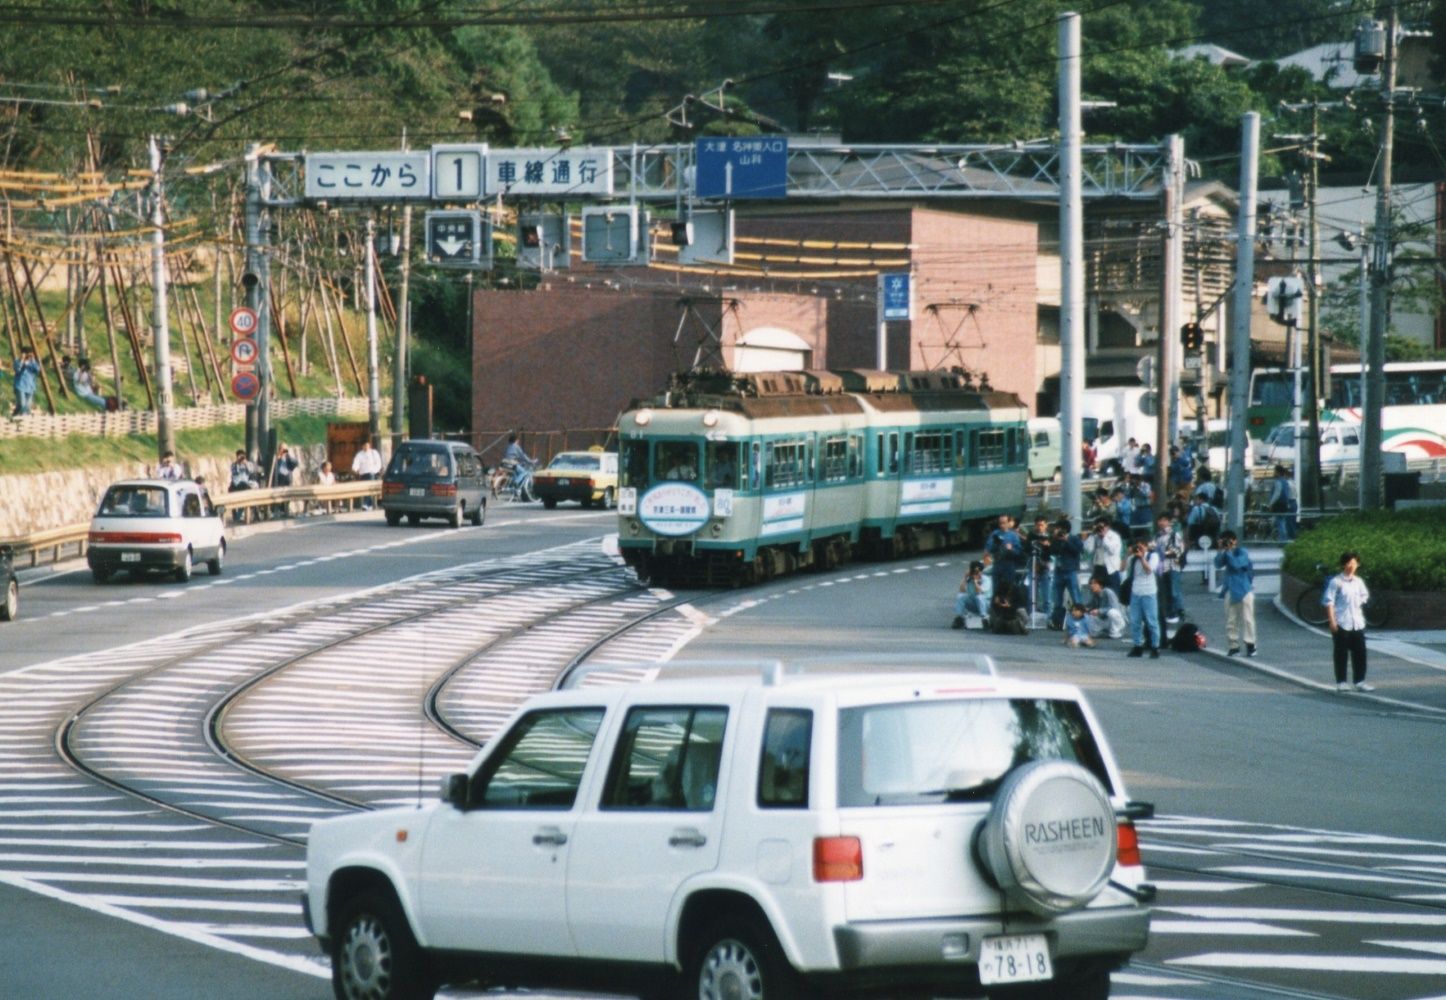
730	478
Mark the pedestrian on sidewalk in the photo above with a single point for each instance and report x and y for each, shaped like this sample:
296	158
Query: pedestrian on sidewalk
1239	588
1282	504
1141	578
1345	603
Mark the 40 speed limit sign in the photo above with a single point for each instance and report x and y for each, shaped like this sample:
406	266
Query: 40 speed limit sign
244	321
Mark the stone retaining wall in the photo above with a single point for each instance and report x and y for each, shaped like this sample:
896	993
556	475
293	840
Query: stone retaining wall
42	500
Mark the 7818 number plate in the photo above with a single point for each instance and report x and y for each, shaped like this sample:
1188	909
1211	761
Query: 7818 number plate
1017	958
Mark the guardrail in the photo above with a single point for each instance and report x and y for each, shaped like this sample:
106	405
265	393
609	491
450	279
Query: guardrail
69	541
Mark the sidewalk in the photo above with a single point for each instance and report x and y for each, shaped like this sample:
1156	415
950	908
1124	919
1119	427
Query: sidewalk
1407	667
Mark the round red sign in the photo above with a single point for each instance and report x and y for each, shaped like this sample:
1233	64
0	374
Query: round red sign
244	320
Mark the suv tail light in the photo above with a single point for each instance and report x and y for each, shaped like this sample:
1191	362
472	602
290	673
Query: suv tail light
837	859
443	490
390	488
1128	854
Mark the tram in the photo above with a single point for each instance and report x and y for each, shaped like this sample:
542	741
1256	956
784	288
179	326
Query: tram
727	478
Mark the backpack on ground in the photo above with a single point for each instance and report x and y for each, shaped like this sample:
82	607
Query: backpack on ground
1187	639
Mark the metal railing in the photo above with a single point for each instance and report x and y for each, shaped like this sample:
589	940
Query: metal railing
69	541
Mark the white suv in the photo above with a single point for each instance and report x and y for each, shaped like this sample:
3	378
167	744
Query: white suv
756	838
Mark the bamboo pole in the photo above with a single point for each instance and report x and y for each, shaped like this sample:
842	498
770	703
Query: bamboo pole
278	317
118	279
25	325
45	338
109	325
345	339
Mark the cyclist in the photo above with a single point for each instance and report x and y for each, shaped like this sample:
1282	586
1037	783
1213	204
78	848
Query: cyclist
521	464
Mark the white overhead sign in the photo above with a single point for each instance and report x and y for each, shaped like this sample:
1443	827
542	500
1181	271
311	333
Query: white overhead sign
553	172
385	176
458	172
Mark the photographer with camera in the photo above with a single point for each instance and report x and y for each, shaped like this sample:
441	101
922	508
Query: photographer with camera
1040	545
1007	548
1104	548
1170	547
1067	548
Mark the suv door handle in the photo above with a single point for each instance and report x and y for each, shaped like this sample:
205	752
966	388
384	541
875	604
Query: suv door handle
687	836
550	836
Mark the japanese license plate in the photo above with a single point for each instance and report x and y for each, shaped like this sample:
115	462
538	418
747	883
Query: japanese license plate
564	482
416	491
130	557
1017	958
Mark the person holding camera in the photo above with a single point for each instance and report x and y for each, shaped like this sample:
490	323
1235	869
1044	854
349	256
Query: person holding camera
1239	587
1007	548
1141	580
1067	548
976	591
1103	546
1040	543
1170	547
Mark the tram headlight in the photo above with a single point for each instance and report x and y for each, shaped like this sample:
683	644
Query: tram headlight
710	419
643	417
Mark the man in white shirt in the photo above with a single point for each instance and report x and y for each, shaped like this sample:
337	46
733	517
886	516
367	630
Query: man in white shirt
1345	603
367	464
1103	546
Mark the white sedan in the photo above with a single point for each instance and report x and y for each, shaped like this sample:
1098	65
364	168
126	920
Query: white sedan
155	525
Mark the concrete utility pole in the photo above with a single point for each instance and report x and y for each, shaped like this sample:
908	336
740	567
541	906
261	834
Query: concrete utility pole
1240	309
1172	187
256	281
165	402
1072	273
374	392
1374	351
1319	363
404	329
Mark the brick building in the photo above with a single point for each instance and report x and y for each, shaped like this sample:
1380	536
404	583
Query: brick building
573	352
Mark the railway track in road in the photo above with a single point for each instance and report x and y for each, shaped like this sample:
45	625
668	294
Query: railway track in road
172	782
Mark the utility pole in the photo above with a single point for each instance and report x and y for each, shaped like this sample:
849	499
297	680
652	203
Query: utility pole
1240	308
1374	355
165	403
1172	186
256	281
1319	368
404	329
374	412
1072	275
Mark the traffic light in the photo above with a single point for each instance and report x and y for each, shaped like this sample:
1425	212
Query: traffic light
1192	337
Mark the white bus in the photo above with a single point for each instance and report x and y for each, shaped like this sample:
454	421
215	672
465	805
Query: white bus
1413	420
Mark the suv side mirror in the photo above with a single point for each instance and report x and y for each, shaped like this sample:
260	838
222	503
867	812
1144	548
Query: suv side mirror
454	790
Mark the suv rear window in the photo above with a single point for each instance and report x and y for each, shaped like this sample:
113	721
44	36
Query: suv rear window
424	463
921	752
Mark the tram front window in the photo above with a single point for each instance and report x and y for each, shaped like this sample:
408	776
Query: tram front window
676	460
635	464
723	465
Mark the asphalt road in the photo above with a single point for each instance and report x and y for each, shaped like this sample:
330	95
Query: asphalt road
1246	770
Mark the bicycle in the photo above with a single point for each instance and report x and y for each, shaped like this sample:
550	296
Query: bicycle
1309	609
516	487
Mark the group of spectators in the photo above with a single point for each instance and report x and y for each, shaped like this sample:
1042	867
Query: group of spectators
25	370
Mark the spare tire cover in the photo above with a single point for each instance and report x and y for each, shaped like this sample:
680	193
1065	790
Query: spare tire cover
1050	839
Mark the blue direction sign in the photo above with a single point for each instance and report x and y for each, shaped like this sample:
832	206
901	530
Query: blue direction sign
895	295
742	167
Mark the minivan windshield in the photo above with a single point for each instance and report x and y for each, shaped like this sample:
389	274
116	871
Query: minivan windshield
955	751
423	463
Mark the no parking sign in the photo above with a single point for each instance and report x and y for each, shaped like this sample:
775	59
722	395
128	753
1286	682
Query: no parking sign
246	386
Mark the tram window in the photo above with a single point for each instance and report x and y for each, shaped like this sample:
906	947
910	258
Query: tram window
961	452
835	459
879	449
908	451
785	465
755	467
989	449
856	445
722	465
676	460
931	451
893	451
635	464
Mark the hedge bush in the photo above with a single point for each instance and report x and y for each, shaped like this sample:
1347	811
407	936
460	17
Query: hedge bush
1399	550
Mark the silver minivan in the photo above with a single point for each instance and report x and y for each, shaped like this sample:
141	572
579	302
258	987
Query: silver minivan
432	478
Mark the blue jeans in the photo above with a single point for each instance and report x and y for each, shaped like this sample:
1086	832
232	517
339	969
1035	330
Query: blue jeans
23	401
971	604
1064	579
1285	527
1145	617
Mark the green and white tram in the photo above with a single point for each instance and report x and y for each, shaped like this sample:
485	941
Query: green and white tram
733	478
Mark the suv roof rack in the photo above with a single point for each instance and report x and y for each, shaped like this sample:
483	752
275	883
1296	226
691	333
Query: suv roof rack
774	672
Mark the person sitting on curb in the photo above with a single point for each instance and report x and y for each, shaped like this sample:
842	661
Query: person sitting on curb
1077	628
1104	611
975	592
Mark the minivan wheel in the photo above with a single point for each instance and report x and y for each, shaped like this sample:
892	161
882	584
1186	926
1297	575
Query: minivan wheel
479	513
738	958
455	517
10	609
183	571
214	566
374	955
